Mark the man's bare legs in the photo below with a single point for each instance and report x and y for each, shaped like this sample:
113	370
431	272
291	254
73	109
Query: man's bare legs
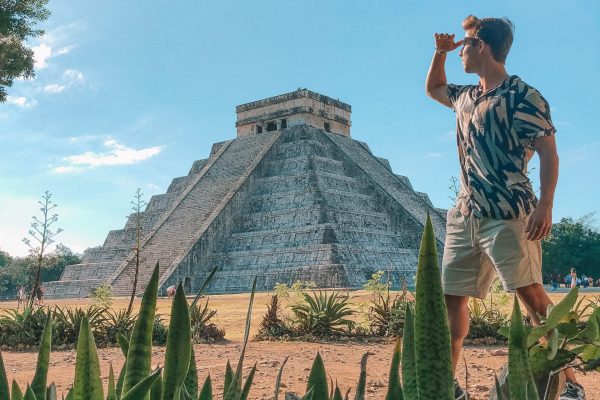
534	298
458	321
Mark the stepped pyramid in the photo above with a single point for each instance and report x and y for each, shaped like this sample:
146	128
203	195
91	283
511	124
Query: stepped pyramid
293	197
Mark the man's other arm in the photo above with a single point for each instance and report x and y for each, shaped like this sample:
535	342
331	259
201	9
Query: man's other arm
436	85
540	220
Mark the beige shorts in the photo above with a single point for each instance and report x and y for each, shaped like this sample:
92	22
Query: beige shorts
478	249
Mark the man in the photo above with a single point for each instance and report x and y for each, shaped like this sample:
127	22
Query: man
497	223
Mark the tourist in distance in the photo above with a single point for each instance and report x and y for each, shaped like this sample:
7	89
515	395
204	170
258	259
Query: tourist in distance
497	223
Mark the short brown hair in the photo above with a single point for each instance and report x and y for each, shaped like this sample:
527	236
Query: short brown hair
496	32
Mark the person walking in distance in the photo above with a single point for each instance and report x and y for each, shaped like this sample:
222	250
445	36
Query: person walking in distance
573	278
497	224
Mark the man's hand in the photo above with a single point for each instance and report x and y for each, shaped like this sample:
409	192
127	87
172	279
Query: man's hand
445	42
540	222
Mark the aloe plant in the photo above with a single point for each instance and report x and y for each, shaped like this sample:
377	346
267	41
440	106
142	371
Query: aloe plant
432	335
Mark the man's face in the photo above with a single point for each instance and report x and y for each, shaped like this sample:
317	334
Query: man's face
470	53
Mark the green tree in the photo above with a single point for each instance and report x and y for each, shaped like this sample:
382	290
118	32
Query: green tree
5	258
17	24
572	243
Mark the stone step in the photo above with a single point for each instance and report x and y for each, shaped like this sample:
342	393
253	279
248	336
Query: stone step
99	270
292	166
71	289
304	148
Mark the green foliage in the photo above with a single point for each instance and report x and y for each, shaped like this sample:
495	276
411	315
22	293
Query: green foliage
203	330
271	325
572	243
323	314
117	322
68	320
17	26
485	319
394	391
432	335
387	313
177	357
102	295
376	286
88	384
22	327
317	379
521	384
38	384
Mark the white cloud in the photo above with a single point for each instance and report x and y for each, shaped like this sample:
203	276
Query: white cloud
21	101
448	136
70	78
72	75
54	88
41	54
116	154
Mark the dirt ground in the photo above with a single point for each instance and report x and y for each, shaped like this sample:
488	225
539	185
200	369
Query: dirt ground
342	360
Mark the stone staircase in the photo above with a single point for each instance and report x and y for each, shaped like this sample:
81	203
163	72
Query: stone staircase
178	228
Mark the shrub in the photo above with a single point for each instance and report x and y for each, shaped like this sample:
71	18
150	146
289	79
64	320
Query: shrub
159	331
68	320
485	320
202	329
22	328
323	314
387	314
102	295
271	325
119	321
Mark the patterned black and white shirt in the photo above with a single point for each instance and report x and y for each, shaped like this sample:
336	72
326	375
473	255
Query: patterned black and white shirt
495	134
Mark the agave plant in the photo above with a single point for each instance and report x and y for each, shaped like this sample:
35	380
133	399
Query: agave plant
323	314
202	329
68	320
22	328
387	313
116	322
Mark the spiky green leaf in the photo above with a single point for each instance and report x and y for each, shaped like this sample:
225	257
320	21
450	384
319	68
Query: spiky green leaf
248	384
112	392
29	394
228	378
191	379
40	379
4	390
206	391
520	378
141	390
432	336
394	386
278	381
317	379
177	357
16	393
409	365
87	385
51	392
139	353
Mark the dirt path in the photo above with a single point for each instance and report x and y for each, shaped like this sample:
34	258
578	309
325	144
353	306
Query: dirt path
341	361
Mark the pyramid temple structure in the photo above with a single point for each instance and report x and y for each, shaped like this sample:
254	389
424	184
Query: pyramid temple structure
292	197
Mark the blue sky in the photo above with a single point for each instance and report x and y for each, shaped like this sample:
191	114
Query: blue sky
129	94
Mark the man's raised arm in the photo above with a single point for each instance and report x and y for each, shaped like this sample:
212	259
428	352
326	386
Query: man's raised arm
436	85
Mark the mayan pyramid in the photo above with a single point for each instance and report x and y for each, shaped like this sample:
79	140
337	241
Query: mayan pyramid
293	197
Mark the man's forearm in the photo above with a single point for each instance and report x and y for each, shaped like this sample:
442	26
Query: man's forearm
437	73
548	177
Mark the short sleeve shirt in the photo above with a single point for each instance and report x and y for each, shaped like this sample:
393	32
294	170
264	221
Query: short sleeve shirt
495	135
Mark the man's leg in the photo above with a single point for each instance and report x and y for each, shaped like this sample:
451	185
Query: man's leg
458	321
536	301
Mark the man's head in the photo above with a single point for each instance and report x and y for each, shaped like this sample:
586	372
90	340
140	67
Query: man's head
487	40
